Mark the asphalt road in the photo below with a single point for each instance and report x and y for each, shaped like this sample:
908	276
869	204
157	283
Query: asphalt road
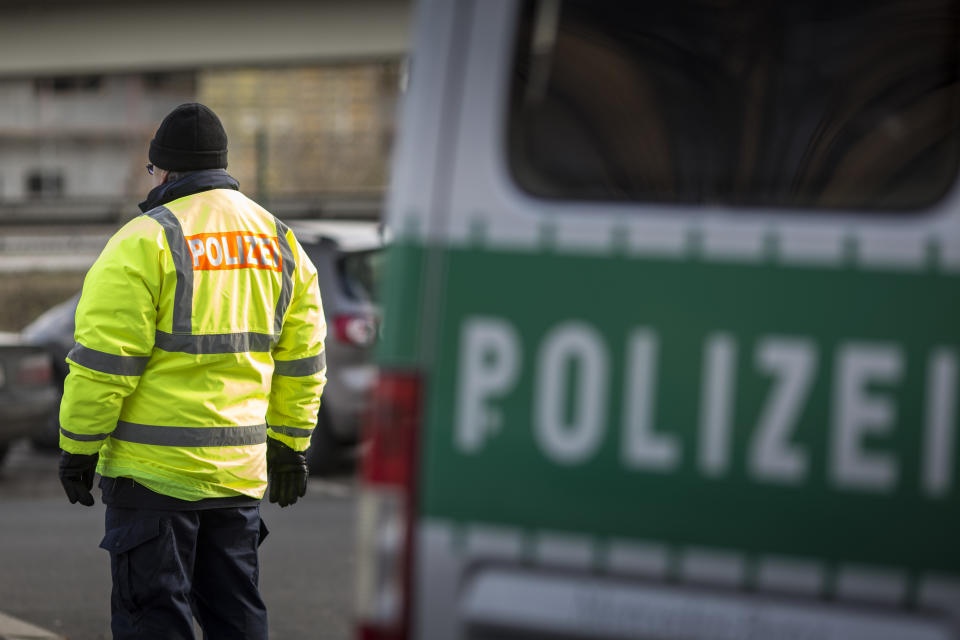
53	574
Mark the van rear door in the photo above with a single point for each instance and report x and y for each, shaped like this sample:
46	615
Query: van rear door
682	297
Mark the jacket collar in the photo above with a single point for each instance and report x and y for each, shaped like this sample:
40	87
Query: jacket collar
193	182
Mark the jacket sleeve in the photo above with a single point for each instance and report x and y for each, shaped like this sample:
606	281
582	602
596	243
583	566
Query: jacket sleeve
300	368
115	329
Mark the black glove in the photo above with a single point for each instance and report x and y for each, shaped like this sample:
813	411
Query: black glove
288	472
76	476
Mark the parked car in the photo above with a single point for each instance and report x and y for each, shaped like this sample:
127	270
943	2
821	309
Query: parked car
53	330
27	393
347	255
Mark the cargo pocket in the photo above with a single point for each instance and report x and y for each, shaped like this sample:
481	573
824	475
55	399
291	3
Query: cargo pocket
122	543
264	532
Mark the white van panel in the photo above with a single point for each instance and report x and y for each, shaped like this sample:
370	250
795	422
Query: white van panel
485	574
422	107
519	599
485	206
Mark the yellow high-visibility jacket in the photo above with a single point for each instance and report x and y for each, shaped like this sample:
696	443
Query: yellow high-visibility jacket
199	334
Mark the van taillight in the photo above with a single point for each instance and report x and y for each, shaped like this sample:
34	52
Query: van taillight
385	504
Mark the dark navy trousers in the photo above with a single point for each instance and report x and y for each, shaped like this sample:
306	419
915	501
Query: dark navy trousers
171	566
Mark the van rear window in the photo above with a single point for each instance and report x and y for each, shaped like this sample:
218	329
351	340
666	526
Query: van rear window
796	103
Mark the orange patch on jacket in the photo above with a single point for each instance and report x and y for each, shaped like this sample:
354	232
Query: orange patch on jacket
234	250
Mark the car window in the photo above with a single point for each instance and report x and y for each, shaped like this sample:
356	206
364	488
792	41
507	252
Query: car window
799	103
360	274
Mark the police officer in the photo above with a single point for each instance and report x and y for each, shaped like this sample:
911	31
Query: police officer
196	375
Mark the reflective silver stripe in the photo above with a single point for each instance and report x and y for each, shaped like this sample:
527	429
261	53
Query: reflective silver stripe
190	436
107	362
301	367
215	343
293	432
286	287
183	263
84	437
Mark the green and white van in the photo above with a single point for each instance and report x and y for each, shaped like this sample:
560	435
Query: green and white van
671	346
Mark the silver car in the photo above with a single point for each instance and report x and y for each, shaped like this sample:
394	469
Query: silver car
28	397
348	256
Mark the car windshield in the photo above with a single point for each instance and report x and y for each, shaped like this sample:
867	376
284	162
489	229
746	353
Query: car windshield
360	274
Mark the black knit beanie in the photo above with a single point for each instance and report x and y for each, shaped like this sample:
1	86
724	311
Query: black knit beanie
190	138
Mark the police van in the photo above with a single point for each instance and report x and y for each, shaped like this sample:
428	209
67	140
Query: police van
671	345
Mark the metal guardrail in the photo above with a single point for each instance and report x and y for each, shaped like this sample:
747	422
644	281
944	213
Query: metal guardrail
39	248
49	211
55	211
49	243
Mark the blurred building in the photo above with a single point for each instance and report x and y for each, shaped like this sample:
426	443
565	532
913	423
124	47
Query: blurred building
309	137
300	137
73	146
306	91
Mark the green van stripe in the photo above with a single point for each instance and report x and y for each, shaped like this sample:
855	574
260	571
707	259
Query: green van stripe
107	362
84	437
286	288
301	367
215	343
190	436
293	432
183	263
